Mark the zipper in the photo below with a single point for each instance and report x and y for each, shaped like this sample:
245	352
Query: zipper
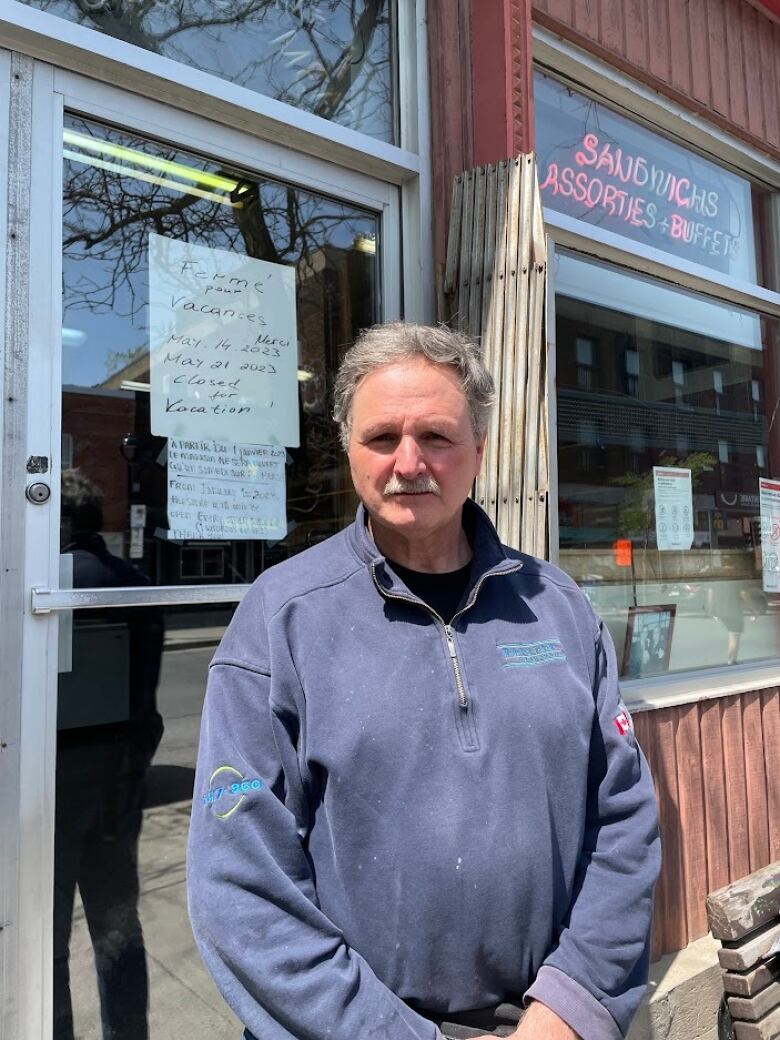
463	700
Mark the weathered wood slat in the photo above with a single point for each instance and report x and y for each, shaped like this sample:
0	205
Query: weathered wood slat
770	721
477	255
692	822
749	953
506	384
736	793
743	906
751	1009
490	468
714	795
466	238
755	781
748	983
453	239
767	1029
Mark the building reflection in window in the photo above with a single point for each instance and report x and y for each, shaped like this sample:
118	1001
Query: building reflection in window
679	381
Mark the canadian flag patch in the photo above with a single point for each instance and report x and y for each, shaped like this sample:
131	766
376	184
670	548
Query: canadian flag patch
623	723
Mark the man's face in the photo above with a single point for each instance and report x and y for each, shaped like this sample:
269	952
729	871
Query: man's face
411	430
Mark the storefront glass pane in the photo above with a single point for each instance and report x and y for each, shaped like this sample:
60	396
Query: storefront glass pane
334	58
141	508
614	173
668	510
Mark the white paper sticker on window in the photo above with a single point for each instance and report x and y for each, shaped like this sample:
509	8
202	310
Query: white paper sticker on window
223	345
219	490
673	507
769	502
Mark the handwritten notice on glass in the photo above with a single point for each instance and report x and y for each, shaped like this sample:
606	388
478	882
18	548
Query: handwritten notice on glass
222	490
769	499
223	345
673	507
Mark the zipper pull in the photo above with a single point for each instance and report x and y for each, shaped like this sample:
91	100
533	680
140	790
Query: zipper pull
450	643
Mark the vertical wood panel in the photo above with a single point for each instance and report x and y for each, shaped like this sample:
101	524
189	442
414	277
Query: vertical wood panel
719	62
690	784
767	42
612	30
700	50
714	795
658	38
636	31
671	904
644	726
561	9
586	18
680	43
755	781
737	91
770	719
750	23
736	795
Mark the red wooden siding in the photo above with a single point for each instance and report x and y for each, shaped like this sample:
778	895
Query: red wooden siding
720	58
716	767
452	143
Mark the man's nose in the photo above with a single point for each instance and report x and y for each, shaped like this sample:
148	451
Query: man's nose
409	459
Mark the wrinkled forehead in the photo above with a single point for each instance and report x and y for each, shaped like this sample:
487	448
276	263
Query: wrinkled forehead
409	382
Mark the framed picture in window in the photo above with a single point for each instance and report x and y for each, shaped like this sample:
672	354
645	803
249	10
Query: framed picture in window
648	641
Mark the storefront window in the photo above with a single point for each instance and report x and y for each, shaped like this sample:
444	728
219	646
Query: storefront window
152	238
668	444
334	58
611	172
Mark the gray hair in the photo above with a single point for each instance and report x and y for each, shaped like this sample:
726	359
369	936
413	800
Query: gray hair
400	341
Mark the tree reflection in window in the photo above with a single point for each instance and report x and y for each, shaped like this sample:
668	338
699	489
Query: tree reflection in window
330	57
118	189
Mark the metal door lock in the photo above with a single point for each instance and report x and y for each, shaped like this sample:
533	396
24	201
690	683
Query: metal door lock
38	493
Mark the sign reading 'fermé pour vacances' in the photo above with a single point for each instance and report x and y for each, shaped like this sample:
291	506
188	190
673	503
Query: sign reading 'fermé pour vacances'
604	169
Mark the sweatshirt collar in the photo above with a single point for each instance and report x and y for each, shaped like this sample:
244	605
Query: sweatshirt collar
488	554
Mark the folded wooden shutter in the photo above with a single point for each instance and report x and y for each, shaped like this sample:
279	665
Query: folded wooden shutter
495	279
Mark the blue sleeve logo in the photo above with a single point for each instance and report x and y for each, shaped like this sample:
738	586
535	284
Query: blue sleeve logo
227	790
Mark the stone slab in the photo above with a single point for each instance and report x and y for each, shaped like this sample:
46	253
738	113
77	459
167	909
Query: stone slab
745	905
739	957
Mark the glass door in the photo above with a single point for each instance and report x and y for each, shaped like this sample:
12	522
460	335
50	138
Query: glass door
205	305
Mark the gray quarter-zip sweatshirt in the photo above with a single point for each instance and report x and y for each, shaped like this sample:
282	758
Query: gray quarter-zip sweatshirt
394	814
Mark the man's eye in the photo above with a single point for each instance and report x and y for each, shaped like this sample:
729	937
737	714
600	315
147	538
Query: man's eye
434	436
382	438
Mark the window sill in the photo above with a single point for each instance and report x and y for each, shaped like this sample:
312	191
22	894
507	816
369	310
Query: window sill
689	687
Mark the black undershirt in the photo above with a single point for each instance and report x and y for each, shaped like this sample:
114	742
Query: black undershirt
442	592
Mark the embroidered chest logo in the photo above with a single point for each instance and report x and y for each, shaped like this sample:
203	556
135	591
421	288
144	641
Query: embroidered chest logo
227	790
531	655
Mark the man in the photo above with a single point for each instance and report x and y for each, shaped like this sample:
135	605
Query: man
108	728
418	794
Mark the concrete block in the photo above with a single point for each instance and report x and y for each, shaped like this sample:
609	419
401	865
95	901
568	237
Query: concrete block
683	996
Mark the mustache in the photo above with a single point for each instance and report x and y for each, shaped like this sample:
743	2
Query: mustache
419	486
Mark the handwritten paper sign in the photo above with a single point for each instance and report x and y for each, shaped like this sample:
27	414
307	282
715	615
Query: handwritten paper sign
673	507
602	168
222	490
769	502
223	345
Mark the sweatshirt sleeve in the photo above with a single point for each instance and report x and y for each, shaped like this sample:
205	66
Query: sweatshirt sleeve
596	974
280	963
